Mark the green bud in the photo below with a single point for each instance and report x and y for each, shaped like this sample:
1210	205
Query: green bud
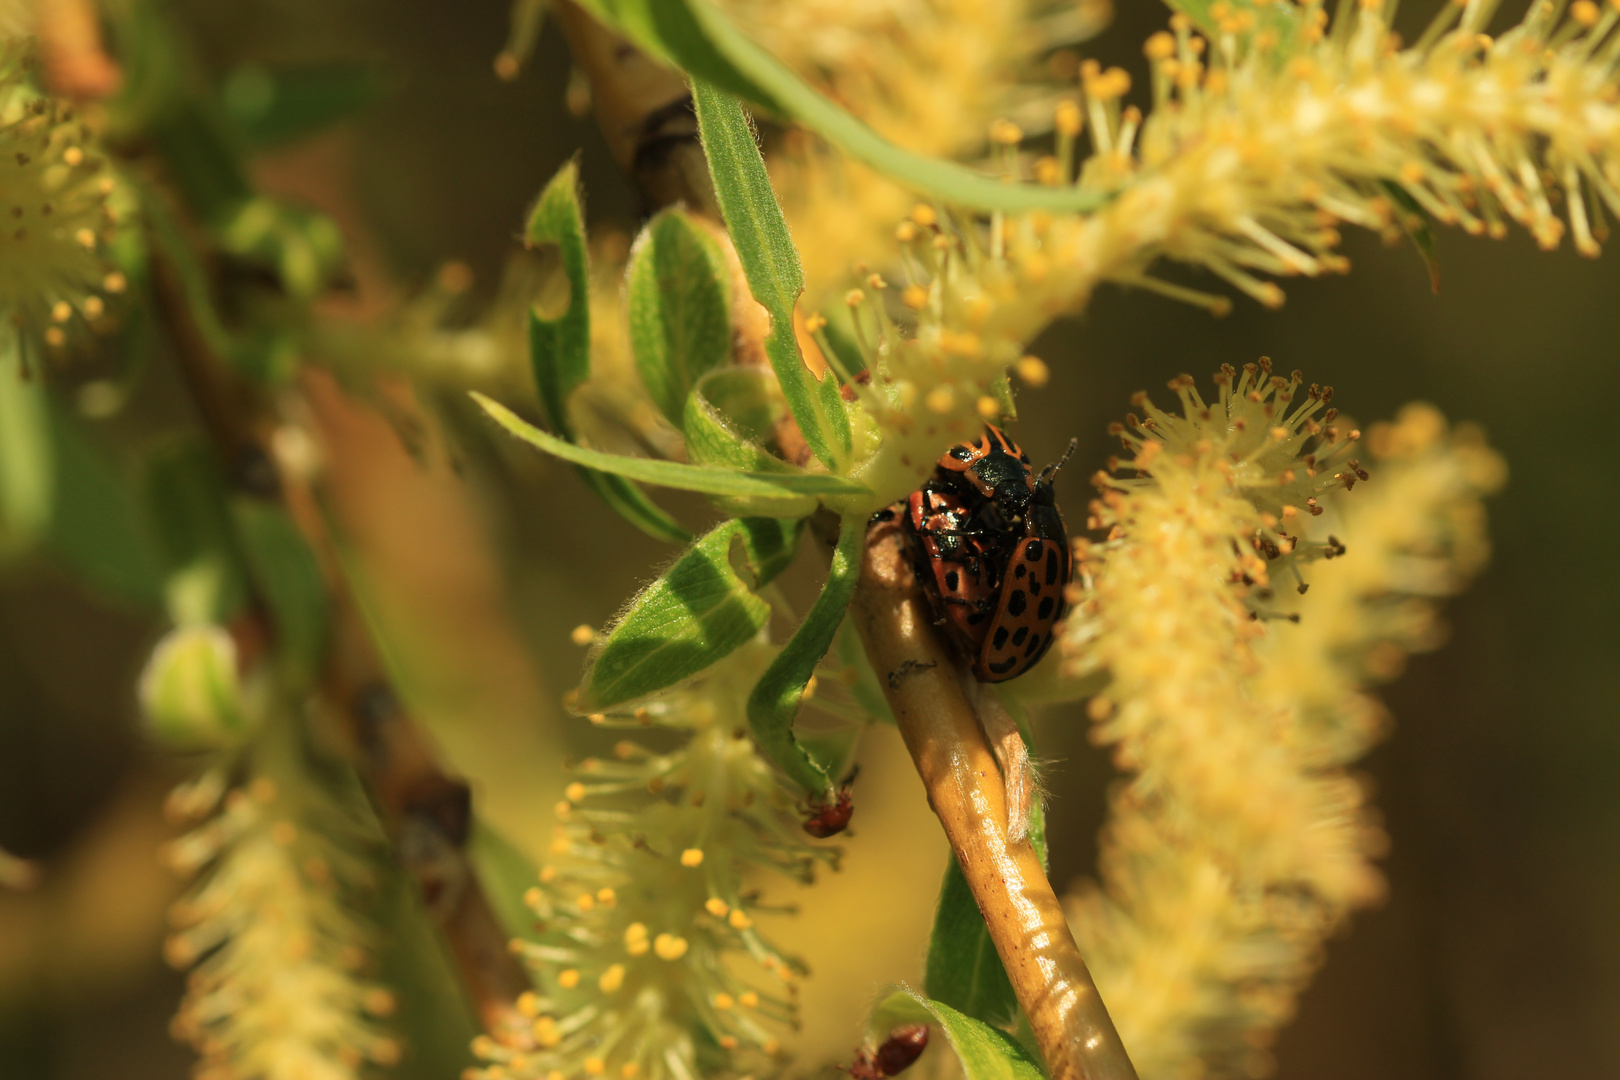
190	693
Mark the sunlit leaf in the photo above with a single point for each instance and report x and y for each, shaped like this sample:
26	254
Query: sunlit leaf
774	702
680	308
759	232
696	613
986	1053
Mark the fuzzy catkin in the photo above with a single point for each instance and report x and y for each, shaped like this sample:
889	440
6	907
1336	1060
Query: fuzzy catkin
1199	946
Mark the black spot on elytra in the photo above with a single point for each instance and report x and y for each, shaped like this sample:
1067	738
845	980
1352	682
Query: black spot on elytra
953	580
1034	645
1000	640
1020	572
1017	602
1044	612
1018	638
1032	550
1034	586
1052	567
1004	666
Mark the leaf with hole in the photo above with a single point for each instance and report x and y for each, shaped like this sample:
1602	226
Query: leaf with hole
560	347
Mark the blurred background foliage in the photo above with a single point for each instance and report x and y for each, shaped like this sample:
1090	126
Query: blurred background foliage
1497	953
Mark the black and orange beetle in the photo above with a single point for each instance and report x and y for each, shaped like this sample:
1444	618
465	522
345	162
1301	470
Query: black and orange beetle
991	551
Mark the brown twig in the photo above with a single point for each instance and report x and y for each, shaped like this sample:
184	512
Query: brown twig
426	813
922	682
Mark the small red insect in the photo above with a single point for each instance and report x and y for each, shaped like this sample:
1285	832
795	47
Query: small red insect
897	1054
992	553
831	818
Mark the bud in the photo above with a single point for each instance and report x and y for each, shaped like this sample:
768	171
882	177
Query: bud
190	693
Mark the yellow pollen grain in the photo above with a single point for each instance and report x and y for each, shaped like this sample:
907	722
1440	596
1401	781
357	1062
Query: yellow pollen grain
73	156
716	907
637	947
692	857
595	1066
1067	118
597	718
728	1042
723	1001
611	979
1048	171
528	1004
568	979
582	634
585	902
739	919
531	896
1160	46
669	947
635	932
548	873
924	216
940	399
546	1033
875	282
575	792
989	407
61	311
555	1074
905	232
770	1046
855	298
1584	12
93	307
914	297
1006	133
1033	370
748	999
86	238
54	337
629	1070
563	809
606	897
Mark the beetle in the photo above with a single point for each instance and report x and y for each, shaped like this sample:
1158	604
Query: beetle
992	552
896	1054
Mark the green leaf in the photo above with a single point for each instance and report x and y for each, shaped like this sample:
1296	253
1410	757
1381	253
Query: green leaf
288	577
963	970
775	699
1415	223
695	614
708	479
695	36
680	308
277	105
986	1053
27	464
764	247
186	500
560	348
1283	20
711	439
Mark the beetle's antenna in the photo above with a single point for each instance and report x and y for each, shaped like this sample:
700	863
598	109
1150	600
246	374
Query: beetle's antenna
1052	470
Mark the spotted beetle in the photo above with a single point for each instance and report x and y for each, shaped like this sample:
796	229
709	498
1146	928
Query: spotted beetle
991	551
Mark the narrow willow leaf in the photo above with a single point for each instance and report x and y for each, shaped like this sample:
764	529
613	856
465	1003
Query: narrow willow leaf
708	479
27	465
695	614
775	699
560	348
1282	20
963	969
695	36
764	247
288	576
986	1053
711	439
1415	223
680	308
